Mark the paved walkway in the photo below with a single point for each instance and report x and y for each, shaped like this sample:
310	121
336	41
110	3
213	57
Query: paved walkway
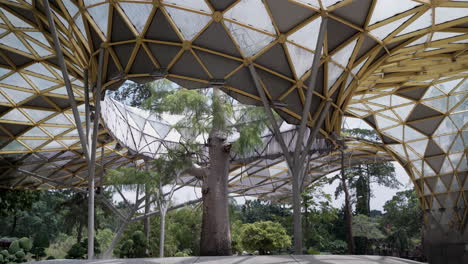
285	259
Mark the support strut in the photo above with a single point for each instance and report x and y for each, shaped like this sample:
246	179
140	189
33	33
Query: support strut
295	162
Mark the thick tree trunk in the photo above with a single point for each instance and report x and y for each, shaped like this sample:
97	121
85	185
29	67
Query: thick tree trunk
162	233
348	217
216	234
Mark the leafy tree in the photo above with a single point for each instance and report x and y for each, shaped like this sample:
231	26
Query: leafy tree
14	201
319	216
131	93
210	114
265	237
161	172
367	228
402	221
134	247
260	210
359	179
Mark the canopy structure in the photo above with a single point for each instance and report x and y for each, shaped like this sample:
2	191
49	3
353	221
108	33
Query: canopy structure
399	65
262	173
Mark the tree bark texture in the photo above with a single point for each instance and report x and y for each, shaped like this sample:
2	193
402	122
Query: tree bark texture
348	217
216	234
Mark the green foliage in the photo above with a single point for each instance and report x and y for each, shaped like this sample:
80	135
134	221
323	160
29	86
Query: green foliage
319	217
17	251
25	243
104	237
364	226
337	247
209	111
236	242
12	201
134	247
265	237
313	251
259	210
79	250
14	247
184	253
133	94
61	246
402	220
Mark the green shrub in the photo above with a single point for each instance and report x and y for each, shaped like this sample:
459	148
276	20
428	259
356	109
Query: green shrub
265	237
313	251
134	247
25	243
183	253
20	255
14	247
338	247
77	251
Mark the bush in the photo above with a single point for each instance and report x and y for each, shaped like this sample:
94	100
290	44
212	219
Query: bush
313	251
25	243
184	253
79	250
40	243
264	237
338	247
134	247
17	251
14	247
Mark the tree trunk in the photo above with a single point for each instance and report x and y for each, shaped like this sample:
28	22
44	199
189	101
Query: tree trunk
146	221
162	232
348	217
368	190
79	236
215	232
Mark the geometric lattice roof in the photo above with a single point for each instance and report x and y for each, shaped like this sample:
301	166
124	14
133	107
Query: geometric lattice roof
262	173
400	65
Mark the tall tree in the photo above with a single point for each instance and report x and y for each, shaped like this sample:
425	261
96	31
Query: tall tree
210	114
402	220
358	179
13	201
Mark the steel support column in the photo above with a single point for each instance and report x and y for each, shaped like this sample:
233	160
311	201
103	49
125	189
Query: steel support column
296	162
92	161
310	89
271	117
66	79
